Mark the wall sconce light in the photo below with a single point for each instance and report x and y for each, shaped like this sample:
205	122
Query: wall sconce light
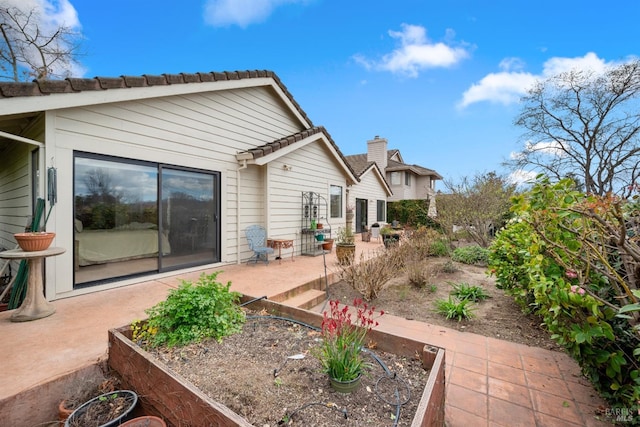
287	167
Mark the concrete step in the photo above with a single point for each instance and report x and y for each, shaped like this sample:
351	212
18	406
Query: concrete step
307	299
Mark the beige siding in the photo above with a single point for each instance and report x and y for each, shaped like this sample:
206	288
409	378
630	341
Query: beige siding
203	131
312	168
370	188
15	192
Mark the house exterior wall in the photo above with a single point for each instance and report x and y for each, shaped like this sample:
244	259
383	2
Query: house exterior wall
309	168
16	202
202	131
370	189
418	190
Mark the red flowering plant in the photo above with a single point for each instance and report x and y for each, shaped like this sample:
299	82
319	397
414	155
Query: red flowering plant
343	339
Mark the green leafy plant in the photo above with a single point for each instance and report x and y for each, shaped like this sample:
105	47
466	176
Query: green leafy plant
472	254
343	339
573	259
192	313
345	236
453	308
463	291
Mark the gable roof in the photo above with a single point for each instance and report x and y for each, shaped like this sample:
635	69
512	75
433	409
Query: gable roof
22	101
37	89
359	163
272	150
394	166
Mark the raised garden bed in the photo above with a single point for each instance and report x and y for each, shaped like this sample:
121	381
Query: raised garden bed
181	403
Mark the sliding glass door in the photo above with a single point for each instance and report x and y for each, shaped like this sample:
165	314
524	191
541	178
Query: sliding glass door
133	218
189	217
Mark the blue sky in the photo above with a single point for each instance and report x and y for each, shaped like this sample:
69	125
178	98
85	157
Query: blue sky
440	80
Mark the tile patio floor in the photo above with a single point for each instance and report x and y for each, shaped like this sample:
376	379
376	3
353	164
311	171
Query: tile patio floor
489	382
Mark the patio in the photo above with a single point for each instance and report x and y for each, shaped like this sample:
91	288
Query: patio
489	382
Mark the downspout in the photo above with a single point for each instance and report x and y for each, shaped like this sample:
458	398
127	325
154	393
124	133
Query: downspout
238	237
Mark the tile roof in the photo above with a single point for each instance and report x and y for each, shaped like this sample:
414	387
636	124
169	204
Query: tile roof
278	144
360	164
43	87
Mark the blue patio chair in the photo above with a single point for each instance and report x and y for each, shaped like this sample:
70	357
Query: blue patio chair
257	238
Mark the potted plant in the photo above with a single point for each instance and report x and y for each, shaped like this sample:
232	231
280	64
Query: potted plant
389	236
345	245
343	340
106	410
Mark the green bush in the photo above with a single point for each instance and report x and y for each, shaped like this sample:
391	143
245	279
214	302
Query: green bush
453	308
571	258
472	254
192	313
439	248
463	291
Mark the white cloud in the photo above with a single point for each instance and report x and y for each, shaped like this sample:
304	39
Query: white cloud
552	148
504	88
242	13
52	13
509	85
521	176
48	16
415	53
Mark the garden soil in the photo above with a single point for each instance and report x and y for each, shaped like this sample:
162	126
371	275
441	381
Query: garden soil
499	316
268	373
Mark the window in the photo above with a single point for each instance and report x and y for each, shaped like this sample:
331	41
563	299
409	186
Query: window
133	218
381	210
395	178
335	194
407	179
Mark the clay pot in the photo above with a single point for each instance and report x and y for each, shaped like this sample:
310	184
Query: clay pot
146	421
34	241
345	253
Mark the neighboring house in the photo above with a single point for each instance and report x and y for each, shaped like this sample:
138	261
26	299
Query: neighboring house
394	180
160	174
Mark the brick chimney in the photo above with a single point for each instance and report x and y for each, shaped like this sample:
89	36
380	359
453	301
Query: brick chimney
377	152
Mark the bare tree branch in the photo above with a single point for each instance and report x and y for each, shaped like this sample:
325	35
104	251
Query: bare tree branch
585	125
28	49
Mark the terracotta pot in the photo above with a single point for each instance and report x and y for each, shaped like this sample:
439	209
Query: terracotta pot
327	245
345	253
146	421
64	412
34	241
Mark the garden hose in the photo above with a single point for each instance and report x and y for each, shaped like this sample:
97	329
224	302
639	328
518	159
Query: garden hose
388	375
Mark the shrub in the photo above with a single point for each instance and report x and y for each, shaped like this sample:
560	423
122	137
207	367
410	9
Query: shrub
439	248
373	271
419	274
472	254
453	308
463	291
424	243
192	313
575	258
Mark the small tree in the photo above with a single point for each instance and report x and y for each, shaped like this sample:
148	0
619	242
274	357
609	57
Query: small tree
584	125
33	47
476	205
